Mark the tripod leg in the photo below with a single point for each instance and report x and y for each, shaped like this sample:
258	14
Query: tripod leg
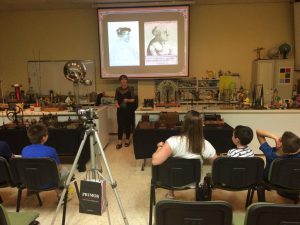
69	177
113	183
92	152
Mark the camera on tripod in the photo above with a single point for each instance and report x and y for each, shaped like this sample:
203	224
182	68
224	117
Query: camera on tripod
87	114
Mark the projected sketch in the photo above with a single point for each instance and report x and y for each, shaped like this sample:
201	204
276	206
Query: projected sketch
161	47
123	43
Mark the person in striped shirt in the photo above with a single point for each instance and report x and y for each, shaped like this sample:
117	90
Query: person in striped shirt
242	136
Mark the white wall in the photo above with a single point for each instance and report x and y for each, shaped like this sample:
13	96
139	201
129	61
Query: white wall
221	37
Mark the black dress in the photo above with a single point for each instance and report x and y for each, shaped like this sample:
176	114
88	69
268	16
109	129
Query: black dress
124	112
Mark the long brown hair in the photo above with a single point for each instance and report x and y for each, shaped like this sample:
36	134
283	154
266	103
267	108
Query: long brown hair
192	129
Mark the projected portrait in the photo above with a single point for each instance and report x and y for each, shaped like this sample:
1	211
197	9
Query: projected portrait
161	46
123	42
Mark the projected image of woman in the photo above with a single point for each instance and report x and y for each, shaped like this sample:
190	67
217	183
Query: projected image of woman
122	49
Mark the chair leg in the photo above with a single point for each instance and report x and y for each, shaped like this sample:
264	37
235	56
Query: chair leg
39	199
152	190
261	194
154	196
197	193
65	208
296	200
249	197
19	199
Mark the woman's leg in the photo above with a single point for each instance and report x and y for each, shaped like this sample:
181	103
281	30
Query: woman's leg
128	123
120	122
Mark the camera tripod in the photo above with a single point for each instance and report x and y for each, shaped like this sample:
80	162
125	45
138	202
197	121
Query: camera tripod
91	132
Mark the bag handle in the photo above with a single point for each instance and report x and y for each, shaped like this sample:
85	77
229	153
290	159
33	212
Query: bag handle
93	174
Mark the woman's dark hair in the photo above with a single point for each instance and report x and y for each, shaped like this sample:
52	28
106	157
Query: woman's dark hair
123	77
193	129
244	134
290	142
36	132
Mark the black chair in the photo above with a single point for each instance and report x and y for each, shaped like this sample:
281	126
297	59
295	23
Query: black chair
170	212
238	174
6	179
268	213
284	177
36	175
175	174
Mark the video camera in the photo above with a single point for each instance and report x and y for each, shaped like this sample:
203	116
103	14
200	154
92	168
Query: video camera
87	114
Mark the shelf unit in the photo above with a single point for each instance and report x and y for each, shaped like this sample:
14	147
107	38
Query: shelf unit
198	89
191	89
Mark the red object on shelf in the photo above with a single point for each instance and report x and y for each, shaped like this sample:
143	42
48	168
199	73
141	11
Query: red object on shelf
17	91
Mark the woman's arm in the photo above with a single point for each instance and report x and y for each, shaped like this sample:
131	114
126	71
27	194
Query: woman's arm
162	153
116	99
211	160
131	100
117	104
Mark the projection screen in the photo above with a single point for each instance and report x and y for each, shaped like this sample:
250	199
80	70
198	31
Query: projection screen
144	42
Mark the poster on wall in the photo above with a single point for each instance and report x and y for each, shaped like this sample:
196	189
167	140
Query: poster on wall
285	76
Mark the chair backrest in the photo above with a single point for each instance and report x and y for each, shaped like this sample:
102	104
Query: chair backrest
170	212
177	172
268	213
5	174
36	173
285	172
237	173
4	220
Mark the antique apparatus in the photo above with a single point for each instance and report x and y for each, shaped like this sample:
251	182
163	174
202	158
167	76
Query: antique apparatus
169	120
75	71
167	94
17	92
213	119
148	103
258	97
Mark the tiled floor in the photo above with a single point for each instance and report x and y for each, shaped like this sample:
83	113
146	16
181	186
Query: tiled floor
133	189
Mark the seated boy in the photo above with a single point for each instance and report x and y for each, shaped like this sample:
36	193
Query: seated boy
242	136
38	135
287	146
5	150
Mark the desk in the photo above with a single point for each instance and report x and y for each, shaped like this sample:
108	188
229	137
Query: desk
145	140
65	141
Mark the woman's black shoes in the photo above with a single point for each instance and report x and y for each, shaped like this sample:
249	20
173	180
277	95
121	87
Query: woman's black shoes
118	146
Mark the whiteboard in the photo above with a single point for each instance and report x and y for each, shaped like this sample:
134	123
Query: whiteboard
44	76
